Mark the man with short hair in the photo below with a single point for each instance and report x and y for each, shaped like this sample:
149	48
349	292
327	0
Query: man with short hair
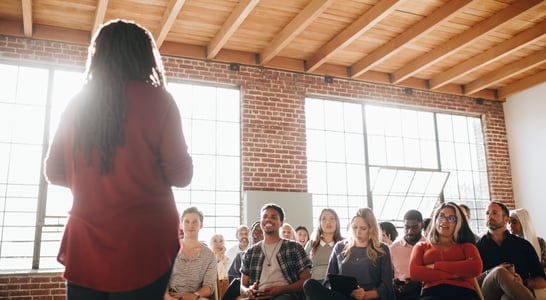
242	237
404	287
274	268
511	266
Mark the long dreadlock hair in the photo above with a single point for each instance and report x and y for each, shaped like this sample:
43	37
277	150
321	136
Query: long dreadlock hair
120	51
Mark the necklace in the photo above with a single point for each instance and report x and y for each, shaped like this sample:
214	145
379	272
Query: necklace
269	257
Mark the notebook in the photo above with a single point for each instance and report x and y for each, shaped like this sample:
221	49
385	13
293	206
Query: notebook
342	284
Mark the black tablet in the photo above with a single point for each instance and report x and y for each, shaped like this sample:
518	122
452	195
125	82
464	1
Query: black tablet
342	284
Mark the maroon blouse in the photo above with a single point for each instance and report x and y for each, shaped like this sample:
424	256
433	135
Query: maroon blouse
122	233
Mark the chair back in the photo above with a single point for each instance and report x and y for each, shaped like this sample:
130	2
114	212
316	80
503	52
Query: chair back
478	288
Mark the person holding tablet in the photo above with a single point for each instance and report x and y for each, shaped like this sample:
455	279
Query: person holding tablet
361	256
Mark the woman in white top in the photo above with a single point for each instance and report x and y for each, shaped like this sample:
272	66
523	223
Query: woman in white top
322	241
287	232
520	224
217	244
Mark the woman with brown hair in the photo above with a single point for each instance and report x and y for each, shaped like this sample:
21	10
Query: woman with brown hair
320	246
448	262
361	256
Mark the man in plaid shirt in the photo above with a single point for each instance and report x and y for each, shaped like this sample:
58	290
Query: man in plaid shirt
274	268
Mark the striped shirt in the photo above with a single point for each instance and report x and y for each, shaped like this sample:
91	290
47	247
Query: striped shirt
189	276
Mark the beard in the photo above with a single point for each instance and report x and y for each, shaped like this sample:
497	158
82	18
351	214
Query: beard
412	239
493	225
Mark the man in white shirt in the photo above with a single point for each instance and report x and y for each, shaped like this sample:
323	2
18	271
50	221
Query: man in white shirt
242	236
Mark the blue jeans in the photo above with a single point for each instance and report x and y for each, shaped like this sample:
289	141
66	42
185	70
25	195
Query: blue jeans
154	291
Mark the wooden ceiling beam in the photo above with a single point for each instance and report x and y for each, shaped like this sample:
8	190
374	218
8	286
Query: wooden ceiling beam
368	20
100	13
505	72
523	84
392	47
27	17
464	39
493	54
169	16
173	49
312	11
237	16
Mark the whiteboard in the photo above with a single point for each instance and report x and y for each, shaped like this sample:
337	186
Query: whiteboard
297	206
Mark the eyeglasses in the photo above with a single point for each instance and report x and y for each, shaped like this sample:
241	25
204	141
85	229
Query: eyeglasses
449	219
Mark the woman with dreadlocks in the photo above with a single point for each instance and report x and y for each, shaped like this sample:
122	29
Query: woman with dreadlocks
120	148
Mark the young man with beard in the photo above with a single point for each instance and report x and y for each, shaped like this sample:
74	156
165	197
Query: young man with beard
274	268
511	266
404	287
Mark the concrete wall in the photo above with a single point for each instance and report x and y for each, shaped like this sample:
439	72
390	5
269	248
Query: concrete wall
525	115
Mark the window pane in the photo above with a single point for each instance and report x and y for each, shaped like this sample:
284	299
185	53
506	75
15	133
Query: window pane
32	86
211	125
333	117
314	114
316	145
354	147
462	154
352	117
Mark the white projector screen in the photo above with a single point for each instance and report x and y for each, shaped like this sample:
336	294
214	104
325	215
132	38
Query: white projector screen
298	207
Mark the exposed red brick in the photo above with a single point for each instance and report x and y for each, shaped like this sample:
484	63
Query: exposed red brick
273	134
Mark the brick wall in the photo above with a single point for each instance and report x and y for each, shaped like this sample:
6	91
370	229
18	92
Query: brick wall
33	286
272	112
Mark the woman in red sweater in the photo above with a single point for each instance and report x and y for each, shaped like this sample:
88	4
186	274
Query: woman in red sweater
448	262
120	148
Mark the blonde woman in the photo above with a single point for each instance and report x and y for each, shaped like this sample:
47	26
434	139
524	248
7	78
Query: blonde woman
361	256
448	261
287	232
218	246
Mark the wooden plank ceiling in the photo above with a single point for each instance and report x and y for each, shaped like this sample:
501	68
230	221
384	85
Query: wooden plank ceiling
485	49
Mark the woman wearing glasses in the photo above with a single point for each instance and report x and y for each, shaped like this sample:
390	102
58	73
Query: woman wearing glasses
448	262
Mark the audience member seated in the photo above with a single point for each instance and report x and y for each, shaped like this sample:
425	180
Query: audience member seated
241	234
321	244
302	235
361	256
217	244
234	272
510	263
448	262
388	232
426	226
194	271
520	224
404	287
468	216
287	232
274	268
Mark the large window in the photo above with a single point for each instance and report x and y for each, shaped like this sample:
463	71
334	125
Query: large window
33	214
393	159
211	124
